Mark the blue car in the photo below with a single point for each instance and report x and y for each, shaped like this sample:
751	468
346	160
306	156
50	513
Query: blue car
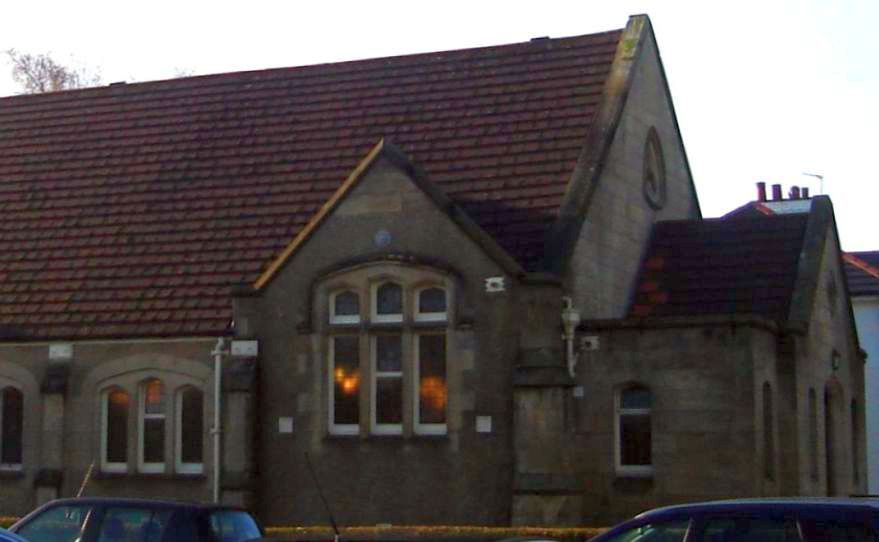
6	536
754	520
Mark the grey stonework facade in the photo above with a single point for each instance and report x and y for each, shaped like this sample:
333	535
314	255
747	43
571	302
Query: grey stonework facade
734	405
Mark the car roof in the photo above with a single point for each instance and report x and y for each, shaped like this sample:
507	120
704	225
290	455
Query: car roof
792	504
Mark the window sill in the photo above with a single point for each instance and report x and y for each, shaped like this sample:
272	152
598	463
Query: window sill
104	475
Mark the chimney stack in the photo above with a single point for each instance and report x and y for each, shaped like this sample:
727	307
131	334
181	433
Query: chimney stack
805	192
794	192
776	192
761	191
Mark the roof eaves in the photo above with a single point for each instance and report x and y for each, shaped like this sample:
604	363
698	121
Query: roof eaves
563	233
861	264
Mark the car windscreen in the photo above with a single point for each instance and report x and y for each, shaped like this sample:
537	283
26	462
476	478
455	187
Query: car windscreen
56	524
233	526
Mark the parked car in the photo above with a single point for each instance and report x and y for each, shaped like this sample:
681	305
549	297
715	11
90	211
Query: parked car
8	536
754	520
136	520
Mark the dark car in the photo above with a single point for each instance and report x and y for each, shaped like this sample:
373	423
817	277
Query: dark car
754	520
6	536
136	520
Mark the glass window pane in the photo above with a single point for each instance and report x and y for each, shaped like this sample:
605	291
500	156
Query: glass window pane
389	400
432	300
432	379
671	531
191	426
117	426
635	398
389	353
389	299
346	304
234	526
133	525
635	439
751	528
153	440
11	430
154	397
346	380
57	524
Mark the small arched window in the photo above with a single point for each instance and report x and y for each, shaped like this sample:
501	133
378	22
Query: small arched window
388	303
431	305
634	431
152	426
11	428
345	308
114	432
189	443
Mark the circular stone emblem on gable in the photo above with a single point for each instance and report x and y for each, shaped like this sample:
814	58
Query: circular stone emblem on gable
382	238
654	171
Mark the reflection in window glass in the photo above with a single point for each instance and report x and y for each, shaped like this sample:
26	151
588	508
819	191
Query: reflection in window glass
133	525
153	422
11	412
346	380
117	426
672	531
432	300
746	529
432	392
234	526
57	524
346	307
389	299
191	425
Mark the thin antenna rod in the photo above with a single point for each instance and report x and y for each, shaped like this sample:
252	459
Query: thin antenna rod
85	479
322	498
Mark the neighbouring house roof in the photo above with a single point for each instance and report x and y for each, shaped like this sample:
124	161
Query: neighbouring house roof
130	210
862	273
721	267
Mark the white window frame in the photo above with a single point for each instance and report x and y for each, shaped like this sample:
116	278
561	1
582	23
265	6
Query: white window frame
142	416
344	318
430	316
179	465
107	466
643	471
339	428
428	428
384	428
396	318
11	466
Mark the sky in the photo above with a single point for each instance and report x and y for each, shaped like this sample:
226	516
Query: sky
764	90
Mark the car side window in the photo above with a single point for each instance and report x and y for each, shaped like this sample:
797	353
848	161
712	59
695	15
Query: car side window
670	531
133	525
741	529
233	526
57	524
850	529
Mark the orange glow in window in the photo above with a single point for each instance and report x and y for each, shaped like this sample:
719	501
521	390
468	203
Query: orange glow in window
348	383
433	392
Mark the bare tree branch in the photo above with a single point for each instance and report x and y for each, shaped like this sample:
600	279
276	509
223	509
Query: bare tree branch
38	73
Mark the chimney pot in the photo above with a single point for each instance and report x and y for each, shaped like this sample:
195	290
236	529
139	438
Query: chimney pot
761	191
776	192
794	192
805	192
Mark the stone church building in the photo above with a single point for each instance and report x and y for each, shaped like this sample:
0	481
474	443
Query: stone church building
468	287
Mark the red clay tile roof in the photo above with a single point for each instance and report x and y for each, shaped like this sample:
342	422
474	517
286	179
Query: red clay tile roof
129	210
721	267
862	273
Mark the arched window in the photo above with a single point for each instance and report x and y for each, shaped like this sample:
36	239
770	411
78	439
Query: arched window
431	305
152	426
189	441
11	428
387	303
634	431
345	308
114	431
768	433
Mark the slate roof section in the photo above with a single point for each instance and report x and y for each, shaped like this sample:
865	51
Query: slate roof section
862	273
129	210
721	267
